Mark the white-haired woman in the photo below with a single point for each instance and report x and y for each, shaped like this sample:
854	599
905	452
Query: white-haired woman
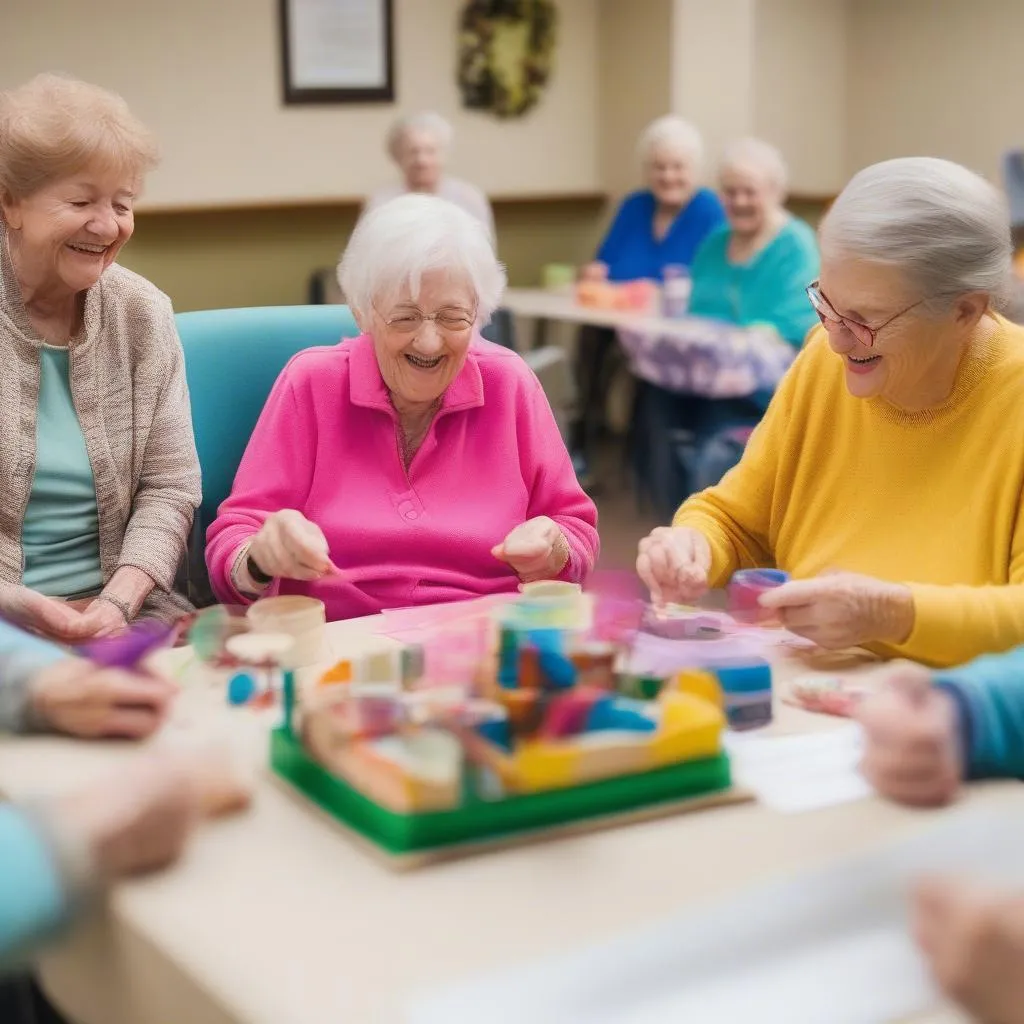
98	468
886	476
416	463
752	271
419	144
655	227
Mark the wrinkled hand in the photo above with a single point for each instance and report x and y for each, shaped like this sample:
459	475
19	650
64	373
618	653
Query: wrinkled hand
973	940
596	270
45	616
911	740
289	546
535	550
78	698
140	819
101	618
674	562
844	609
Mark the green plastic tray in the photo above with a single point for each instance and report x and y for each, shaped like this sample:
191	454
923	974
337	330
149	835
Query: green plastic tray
479	820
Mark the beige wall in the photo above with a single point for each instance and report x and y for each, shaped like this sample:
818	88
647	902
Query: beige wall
205	75
635	82
937	78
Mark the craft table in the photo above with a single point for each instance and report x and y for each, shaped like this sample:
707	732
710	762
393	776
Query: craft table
276	917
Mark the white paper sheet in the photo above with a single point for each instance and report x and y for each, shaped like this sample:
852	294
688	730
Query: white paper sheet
831	947
800	773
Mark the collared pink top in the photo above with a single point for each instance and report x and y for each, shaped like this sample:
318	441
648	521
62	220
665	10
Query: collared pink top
327	444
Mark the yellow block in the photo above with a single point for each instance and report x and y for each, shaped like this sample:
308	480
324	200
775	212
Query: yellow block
700	684
690	729
339	673
540	764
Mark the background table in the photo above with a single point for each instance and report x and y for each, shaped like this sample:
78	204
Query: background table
276	917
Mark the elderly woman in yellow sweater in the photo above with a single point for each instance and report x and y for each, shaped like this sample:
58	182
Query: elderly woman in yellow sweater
887	476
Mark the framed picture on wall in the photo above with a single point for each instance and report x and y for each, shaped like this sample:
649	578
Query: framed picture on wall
337	51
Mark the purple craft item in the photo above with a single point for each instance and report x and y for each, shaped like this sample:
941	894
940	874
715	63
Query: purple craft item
127	649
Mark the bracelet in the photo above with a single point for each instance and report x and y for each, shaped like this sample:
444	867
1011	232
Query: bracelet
122	606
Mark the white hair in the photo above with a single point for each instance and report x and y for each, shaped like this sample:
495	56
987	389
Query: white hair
424	121
760	156
945	227
396	243
673	133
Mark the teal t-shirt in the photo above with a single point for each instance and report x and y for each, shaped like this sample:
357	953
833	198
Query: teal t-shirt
61	537
768	289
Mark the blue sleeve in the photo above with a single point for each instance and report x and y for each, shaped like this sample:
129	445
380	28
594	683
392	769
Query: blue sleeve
989	696
21	656
33	903
783	302
611	246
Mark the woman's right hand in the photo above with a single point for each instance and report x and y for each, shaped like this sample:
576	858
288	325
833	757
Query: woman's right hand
596	270
78	698
674	563
140	819
45	616
289	546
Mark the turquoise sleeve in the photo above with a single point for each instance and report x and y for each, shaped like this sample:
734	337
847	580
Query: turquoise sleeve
782	298
33	903
22	655
989	695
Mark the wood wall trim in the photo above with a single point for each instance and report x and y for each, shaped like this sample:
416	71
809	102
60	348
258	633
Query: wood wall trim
350	202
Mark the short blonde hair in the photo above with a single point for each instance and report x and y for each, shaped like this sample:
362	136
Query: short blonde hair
53	126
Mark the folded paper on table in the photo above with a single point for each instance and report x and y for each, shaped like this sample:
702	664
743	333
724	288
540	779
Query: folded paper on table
800	773
832	945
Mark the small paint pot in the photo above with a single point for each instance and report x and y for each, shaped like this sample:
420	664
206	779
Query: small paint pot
747	691
745	590
301	618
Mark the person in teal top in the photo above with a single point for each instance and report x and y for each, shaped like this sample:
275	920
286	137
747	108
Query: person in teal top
752	271
61	536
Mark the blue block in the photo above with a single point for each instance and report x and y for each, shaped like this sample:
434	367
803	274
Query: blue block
619	713
557	669
241	688
497	731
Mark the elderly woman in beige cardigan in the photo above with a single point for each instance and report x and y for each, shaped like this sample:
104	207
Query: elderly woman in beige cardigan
98	467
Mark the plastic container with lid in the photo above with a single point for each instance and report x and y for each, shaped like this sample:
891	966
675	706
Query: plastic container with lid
675	293
302	618
747	691
745	590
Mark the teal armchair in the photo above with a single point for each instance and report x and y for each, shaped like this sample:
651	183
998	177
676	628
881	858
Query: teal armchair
232	358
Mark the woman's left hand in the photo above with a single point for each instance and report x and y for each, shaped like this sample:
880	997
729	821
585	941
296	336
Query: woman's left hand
844	609
973	940
536	550
102	618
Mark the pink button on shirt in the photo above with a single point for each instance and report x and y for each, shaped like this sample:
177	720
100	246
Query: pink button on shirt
327	444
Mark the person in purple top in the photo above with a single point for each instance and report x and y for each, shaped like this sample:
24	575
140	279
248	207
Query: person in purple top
655	227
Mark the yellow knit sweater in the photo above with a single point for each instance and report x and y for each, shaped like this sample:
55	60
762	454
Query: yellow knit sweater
932	499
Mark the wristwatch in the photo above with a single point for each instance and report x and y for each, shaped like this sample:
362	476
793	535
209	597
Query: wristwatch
256	573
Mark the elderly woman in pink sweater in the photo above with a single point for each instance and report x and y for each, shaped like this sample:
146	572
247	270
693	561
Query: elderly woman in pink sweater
416	463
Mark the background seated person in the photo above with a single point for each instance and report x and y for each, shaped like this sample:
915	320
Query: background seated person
419	145
416	463
886	476
752	271
654	227
98	466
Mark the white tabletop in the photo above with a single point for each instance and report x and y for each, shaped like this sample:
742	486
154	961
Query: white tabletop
277	917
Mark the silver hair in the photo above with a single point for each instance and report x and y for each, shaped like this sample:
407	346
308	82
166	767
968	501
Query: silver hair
944	226
424	121
396	243
674	133
761	156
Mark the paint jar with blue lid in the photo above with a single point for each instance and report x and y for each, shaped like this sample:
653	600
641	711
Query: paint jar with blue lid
745	590
747	691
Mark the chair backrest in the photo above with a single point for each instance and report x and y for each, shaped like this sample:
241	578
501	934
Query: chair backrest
232	358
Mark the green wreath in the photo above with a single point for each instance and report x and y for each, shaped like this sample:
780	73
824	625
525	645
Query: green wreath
506	53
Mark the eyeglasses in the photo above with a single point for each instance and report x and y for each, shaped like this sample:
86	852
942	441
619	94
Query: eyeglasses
451	320
832	321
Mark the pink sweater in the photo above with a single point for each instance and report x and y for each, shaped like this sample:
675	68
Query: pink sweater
327	444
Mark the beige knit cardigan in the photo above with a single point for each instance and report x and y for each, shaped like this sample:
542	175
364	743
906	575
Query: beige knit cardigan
128	386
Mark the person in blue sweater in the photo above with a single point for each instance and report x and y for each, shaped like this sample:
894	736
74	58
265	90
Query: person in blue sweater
925	734
655	227
57	854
